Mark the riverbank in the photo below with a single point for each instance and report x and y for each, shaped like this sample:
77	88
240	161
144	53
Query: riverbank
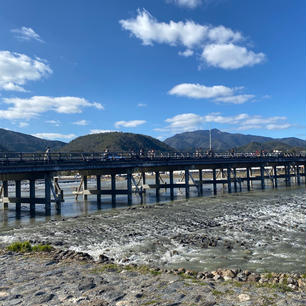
64	277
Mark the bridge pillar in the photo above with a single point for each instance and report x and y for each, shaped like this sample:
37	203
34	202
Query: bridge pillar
298	175
157	189
275	176
48	194
143	174
171	185
200	188
5	194
187	187
262	177
229	182
18	196
113	187
248	179
214	181
287	175
32	197
98	178
129	187
235	180
85	187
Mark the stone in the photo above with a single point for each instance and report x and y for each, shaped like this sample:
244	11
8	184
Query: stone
243	297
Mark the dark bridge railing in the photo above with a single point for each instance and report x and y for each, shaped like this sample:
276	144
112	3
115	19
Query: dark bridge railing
8	158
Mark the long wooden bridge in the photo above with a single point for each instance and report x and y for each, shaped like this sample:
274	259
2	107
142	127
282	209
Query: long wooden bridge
198	170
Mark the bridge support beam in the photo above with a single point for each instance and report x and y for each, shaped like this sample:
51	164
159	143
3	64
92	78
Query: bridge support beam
200	189
98	179
229	181
187	187
262	177
48	194
157	183
129	188
214	181
85	187
248	179
32	197
287	175
275	176
18	196
171	185
5	194
113	187
298	175
143	174
235	180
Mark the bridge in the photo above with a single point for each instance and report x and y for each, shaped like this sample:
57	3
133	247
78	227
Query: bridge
231	170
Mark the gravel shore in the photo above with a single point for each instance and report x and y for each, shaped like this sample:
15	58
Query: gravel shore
54	279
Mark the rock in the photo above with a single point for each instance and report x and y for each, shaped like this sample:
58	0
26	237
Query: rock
228	274
253	277
103	258
87	286
243	297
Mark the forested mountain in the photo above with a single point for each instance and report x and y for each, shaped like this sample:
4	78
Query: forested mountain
19	142
116	141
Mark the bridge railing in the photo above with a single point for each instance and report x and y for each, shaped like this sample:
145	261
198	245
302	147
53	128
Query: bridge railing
39	157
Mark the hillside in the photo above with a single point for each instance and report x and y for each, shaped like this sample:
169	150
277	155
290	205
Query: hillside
223	141
116	141
3	149
19	142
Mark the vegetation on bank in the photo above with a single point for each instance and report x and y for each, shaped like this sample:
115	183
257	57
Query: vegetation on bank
26	247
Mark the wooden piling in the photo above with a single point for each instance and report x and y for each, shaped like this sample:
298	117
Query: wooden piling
229	182
85	187
235	180
18	196
187	187
262	177
171	185
157	183
129	187
248	179
200	188
214	181
48	194
5	194
275	176
98	179
113	187
32	197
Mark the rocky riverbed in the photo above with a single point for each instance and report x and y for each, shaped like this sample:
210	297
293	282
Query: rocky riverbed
243	249
71	278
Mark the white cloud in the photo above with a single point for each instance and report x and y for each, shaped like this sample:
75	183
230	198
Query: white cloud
279	126
96	131
54	136
218	44
187	3
142	105
190	122
54	122
186	53
25	33
189	34
218	93
16	69
230	56
81	122
239	99
128	124
198	91
27	108
23	124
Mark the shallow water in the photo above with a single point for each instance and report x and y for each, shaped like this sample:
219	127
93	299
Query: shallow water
259	231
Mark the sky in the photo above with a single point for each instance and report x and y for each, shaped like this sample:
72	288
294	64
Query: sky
154	67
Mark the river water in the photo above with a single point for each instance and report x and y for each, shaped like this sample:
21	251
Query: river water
258	230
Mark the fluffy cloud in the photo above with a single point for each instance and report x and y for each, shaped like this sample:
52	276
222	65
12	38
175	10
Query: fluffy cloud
187	3
128	124
230	56
142	105
54	122
189	34
28	108
191	122
186	53
16	69
81	122
218	44
54	136
218	93
96	131
25	33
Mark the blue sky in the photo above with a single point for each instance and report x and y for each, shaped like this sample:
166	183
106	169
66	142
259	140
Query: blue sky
159	67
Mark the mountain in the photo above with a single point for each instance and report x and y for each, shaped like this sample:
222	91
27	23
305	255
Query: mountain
3	149
19	142
116	141
223	141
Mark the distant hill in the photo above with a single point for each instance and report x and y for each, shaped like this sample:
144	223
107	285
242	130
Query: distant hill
116	141
19	142
223	141
3	149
